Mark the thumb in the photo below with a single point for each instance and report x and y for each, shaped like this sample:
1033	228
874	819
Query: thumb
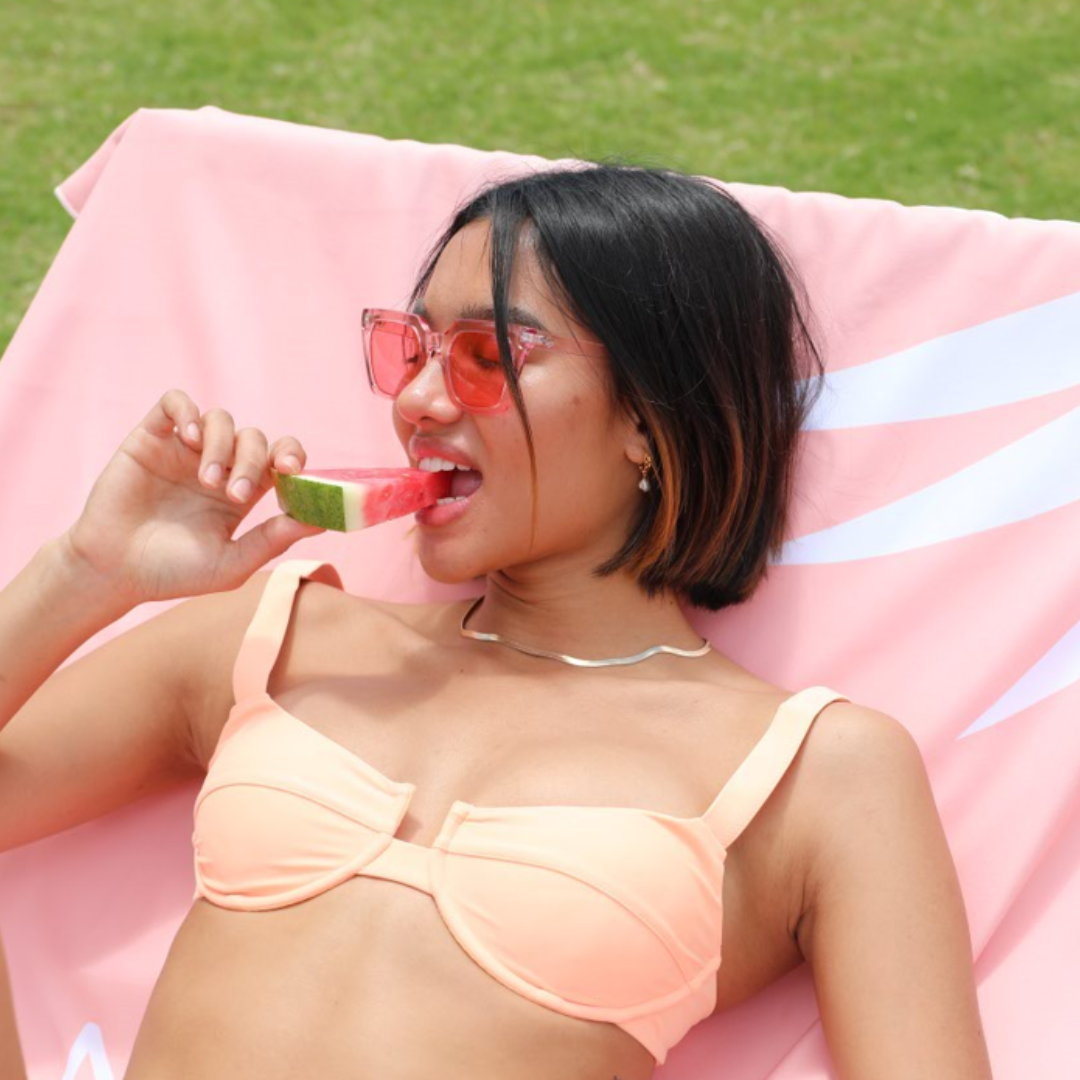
270	539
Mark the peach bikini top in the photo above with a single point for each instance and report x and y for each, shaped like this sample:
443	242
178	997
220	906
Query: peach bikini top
606	913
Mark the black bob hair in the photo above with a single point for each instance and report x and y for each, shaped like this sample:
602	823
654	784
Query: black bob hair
706	325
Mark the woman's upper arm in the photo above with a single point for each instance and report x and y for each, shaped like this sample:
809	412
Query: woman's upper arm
885	928
116	724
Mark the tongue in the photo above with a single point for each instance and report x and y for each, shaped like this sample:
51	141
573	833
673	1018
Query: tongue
464	481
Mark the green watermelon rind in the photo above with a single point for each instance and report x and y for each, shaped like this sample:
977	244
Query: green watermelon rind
339	499
313	502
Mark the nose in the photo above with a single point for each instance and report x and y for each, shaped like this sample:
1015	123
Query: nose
426	394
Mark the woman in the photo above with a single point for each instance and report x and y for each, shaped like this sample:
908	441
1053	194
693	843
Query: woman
500	837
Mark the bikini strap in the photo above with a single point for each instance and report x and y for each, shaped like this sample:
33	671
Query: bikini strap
265	633
762	770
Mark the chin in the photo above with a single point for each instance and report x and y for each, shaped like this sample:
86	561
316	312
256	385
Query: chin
450	571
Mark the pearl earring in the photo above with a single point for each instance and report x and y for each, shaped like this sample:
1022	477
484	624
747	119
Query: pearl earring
643	483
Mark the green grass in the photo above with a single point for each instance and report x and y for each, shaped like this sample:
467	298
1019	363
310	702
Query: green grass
970	103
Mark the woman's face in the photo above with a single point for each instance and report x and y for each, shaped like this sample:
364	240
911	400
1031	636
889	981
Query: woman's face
587	493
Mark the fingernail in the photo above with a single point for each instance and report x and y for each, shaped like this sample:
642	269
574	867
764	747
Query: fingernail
213	474
241	489
291	463
193	432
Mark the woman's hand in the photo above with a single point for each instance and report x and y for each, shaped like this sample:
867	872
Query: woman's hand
158	525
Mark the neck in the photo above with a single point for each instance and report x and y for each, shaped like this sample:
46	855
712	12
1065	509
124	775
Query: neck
587	617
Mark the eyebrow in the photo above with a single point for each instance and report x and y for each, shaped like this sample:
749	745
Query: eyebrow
518	315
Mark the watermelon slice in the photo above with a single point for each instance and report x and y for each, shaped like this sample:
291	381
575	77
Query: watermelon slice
350	499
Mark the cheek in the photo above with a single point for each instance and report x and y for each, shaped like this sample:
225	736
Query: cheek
577	457
569	426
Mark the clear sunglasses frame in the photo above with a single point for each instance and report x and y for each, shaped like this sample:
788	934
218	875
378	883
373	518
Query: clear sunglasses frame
523	340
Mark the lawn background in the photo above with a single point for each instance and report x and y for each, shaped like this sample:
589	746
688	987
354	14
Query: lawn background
965	103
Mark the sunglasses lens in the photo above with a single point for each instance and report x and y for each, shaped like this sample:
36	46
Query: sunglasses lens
394	355
476	369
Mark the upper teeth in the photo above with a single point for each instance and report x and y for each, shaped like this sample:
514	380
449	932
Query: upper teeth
434	464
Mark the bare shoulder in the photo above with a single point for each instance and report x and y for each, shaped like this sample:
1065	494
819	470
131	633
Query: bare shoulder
217	623
849	749
848	740
864	772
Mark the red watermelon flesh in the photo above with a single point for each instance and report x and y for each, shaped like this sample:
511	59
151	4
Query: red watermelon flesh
349	499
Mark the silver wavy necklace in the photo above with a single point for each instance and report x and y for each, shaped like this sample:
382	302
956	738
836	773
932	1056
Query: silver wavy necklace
477	635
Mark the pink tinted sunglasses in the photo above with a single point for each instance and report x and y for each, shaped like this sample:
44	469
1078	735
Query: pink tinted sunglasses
398	344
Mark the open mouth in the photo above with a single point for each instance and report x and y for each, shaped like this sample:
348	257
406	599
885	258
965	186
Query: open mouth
463	483
431	454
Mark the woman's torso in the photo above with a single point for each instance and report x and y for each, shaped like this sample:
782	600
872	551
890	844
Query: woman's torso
365	979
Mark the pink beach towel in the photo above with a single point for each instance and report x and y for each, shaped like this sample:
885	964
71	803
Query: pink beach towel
933	570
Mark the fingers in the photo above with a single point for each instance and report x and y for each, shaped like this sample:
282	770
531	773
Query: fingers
219	440
176	413
228	456
249	464
287	455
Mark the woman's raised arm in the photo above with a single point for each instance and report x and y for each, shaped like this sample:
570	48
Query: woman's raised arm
52	608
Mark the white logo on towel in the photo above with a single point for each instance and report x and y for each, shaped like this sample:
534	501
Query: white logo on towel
1021	356
89	1044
